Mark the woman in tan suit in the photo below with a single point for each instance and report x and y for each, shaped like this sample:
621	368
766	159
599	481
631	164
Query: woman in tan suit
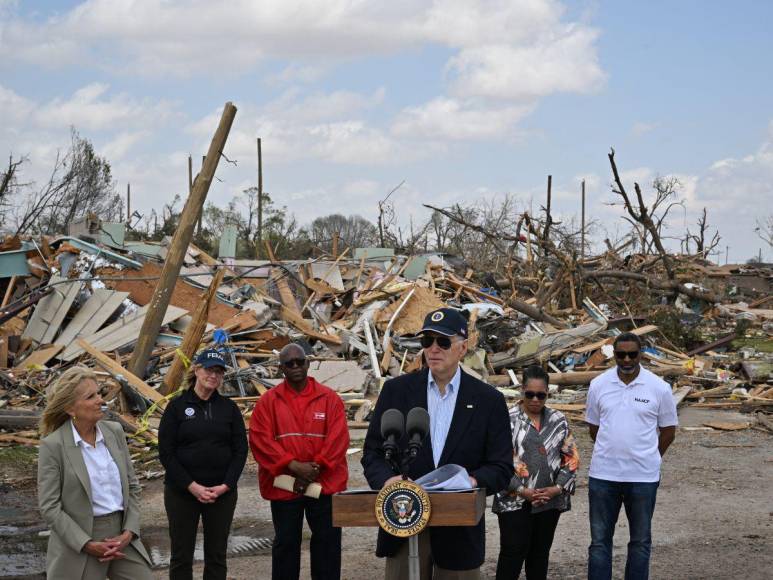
87	491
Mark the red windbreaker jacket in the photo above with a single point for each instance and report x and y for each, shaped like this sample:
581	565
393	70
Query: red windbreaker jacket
321	435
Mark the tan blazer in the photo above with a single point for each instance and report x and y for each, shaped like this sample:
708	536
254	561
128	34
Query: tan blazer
64	497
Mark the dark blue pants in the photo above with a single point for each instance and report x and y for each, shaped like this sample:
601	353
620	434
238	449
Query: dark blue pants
325	544
604	501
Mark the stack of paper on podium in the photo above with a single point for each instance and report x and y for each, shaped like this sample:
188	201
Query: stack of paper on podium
450	477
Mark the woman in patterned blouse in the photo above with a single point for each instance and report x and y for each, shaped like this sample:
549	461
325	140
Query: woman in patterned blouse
546	460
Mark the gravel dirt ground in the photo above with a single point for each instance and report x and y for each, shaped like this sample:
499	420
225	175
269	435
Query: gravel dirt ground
713	518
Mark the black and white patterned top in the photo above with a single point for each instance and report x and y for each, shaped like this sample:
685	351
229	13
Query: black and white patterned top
542	457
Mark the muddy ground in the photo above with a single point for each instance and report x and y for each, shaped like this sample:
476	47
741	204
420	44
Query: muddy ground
713	518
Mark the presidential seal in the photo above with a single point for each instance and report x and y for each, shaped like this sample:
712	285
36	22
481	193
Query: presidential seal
402	509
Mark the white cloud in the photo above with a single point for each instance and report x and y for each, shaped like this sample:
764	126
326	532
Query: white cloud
186	37
121	144
14	108
446	118
740	184
503	56
300	107
182	36
559	63
320	126
298	73
115	123
90	108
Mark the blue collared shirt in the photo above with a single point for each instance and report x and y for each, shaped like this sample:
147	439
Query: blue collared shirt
441	411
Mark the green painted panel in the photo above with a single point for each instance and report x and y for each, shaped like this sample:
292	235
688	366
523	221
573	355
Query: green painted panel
227	248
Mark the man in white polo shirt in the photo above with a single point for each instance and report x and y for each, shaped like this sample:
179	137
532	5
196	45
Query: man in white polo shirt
632	419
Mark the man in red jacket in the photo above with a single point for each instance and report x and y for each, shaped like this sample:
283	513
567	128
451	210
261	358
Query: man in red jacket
299	429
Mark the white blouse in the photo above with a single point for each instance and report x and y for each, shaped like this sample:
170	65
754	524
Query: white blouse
105	479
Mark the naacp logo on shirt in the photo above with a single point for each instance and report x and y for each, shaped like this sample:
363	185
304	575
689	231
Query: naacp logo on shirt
319	416
638	400
402	509
190	412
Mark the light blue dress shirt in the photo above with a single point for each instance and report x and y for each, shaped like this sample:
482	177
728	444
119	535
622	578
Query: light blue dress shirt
441	411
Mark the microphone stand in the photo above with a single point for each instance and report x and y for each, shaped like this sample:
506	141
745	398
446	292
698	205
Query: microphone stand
407	457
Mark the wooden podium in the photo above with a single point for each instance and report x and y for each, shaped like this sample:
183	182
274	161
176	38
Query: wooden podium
458	508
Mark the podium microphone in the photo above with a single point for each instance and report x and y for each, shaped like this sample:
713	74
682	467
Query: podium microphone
417	428
392	428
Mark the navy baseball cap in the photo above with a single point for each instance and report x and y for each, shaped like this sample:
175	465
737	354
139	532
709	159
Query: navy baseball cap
211	358
446	321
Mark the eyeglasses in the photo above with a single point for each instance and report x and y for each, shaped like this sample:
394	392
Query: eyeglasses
624	354
443	342
294	363
216	370
541	395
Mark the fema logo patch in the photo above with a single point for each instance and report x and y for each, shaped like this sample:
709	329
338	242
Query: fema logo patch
190	411
402	509
437	316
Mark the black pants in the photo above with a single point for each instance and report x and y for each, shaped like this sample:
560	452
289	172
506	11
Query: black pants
183	512
325	539
524	536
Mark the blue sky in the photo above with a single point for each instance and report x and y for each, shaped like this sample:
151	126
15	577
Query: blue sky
466	100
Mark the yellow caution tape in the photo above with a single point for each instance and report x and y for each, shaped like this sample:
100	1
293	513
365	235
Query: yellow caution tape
186	361
143	421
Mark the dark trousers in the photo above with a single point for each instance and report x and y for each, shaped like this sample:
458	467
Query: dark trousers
325	542
525	537
604	501
183	512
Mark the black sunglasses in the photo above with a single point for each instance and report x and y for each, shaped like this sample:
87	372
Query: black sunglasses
541	395
443	342
624	354
294	362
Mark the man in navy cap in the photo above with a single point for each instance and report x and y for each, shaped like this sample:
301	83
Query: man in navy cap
469	426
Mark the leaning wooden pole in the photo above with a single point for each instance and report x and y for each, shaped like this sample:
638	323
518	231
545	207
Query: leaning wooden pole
182	237
260	201
192	336
582	230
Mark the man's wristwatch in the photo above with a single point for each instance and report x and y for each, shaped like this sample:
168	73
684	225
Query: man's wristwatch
519	489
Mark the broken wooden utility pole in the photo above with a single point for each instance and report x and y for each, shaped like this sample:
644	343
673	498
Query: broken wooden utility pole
129	203
177	249
582	231
335	244
548	216
192	337
258	247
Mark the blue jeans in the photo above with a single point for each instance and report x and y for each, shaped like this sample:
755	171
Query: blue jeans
604	501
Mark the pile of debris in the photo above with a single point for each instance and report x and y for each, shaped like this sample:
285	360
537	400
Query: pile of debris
82	299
